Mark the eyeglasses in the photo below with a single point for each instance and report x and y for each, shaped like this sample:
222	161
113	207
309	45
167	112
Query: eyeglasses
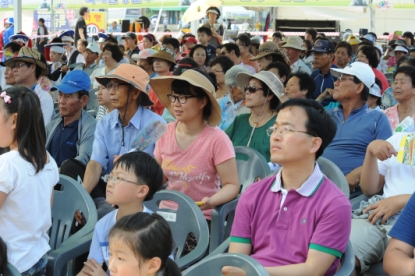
115	85
252	89
341	78
116	180
283	130
182	98
17	65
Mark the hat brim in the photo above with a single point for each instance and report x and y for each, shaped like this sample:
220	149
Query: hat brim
43	72
320	51
243	80
162	86
66	88
260	56
300	48
144	99
163	56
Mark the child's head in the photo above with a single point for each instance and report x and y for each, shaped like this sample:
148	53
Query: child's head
140	244
103	96
22	126
204	34
135	176
3	255
55	56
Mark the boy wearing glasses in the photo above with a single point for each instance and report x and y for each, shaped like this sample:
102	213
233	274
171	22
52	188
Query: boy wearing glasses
297	222
136	177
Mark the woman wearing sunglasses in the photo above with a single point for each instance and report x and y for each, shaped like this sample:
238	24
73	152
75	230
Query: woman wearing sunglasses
195	155
263	93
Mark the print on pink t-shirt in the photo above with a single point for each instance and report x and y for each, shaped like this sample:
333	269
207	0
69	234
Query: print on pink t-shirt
193	171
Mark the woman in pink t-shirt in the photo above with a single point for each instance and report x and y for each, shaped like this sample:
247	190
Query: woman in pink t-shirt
196	156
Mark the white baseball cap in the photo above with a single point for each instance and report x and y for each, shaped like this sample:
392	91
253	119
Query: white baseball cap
375	91
93	47
360	70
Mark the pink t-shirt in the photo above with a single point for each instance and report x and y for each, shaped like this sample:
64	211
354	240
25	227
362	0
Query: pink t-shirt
393	117
193	171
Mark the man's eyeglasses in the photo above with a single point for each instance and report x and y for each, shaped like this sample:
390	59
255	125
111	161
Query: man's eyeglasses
181	98
116	180
252	89
283	130
115	85
341	78
17	65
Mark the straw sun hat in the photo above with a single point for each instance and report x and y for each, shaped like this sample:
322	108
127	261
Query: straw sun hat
162	87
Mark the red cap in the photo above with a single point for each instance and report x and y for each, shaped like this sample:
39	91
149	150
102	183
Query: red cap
189	39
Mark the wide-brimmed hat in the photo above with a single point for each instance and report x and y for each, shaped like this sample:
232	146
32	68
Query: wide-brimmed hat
67	35
294	42
57	47
30	55
162	87
131	74
267	48
165	54
270	79
102	37
360	70
398	49
24	39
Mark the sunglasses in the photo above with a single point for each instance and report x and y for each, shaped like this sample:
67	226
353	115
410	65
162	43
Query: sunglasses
252	89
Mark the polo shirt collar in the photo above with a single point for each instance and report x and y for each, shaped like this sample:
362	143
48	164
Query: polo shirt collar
135	120
356	111
309	186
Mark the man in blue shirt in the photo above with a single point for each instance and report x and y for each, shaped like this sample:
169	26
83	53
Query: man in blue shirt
323	60
117	130
356	125
9	31
70	133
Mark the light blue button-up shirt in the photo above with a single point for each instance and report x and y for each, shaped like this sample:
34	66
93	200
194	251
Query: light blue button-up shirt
108	136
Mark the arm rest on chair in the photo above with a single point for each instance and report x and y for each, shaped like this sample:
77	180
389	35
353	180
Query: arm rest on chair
222	248
219	214
69	250
348	262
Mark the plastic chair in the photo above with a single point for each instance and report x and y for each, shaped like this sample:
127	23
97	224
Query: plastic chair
212	265
69	196
348	262
329	169
188	218
252	167
10	271
92	100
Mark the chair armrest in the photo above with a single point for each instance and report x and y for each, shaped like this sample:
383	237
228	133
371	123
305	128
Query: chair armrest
69	250
222	248
348	262
219	214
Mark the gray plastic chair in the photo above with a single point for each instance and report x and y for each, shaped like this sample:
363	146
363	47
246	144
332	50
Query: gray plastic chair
188	218
333	173
92	100
69	196
10	271
212	265
348	262
252	167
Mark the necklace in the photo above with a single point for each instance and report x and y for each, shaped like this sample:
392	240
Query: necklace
255	123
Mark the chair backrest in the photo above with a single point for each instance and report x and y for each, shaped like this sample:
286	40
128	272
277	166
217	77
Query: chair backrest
348	262
188	218
92	100
212	265
10	270
334	174
70	196
251	166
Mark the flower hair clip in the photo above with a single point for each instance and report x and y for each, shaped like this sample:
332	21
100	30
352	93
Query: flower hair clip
6	98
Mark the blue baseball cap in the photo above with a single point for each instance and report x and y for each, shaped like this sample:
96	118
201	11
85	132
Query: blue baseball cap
74	81
323	46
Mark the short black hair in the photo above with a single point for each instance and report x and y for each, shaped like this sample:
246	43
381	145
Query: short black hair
3	255
312	32
83	10
364	43
232	47
318	124
370	53
145	168
197	46
205	30
82	93
116	53
282	67
277	35
409	35
42	20
14	46
244	39
225	62
410	60
172	41
266	91
111	39
183	87
345	44
409	71
306	82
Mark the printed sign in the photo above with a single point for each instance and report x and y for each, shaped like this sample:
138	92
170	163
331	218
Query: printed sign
168	216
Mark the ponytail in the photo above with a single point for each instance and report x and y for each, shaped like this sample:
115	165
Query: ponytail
171	269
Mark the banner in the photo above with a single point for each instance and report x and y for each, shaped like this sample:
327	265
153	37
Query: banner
96	22
61	19
166	4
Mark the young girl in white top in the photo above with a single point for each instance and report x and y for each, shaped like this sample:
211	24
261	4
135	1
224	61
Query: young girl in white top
27	177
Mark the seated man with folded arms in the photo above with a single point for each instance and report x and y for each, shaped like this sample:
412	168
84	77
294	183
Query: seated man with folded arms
399	256
382	169
297	222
